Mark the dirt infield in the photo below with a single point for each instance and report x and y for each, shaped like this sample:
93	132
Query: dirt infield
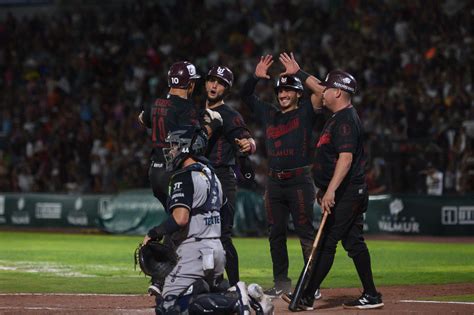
394	298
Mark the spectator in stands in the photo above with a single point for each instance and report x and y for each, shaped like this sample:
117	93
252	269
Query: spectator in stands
375	179
434	180
82	74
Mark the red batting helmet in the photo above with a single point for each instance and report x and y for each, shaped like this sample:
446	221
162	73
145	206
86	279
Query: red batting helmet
181	73
340	80
222	73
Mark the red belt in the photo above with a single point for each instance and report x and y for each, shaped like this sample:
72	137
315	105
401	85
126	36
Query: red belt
289	173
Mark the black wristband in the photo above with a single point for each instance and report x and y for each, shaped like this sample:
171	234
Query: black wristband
169	226
302	75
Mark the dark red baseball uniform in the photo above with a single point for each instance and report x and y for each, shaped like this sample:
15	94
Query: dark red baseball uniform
165	115
290	188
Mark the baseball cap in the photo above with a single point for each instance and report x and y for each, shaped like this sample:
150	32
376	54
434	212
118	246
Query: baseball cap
340	80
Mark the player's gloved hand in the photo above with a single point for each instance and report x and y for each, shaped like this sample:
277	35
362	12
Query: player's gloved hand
154	234
213	119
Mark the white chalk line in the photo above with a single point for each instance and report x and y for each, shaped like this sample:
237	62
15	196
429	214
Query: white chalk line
70	294
437	302
127	310
62	270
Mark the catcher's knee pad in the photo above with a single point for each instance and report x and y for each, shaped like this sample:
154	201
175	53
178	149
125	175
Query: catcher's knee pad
199	286
220	285
181	302
214	303
173	310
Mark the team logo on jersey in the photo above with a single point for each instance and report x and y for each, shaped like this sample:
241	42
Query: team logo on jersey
324	139
178	195
237	121
345	130
283	79
277	131
177	185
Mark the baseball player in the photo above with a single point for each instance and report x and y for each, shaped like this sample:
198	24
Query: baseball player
194	209
225	146
340	177
290	188
176	109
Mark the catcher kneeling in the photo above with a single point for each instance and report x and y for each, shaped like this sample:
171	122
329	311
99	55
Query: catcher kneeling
192	273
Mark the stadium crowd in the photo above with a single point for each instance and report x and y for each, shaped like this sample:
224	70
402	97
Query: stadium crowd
73	82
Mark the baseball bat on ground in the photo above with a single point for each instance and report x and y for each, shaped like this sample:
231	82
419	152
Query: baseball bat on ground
304	276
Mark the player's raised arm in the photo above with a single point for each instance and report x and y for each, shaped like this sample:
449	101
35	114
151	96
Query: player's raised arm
261	70
247	93
293	68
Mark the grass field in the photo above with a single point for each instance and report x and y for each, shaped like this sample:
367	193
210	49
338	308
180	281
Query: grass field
75	263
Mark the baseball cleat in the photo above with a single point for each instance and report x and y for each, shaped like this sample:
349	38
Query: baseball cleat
317	294
274	292
305	304
154	290
366	301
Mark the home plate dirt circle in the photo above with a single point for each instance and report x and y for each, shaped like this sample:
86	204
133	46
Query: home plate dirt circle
397	299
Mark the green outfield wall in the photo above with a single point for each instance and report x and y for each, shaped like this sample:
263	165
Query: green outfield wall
52	210
136	211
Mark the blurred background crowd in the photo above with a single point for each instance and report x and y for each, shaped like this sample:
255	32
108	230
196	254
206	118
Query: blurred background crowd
74	78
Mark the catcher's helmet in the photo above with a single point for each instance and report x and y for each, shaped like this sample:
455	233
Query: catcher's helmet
222	73
340	80
181	73
155	259
289	81
189	141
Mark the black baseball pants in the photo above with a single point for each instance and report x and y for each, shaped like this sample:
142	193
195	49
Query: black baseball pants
345	224
284	197
228	181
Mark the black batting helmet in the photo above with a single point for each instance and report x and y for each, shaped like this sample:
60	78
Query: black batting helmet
222	73
289	81
181	73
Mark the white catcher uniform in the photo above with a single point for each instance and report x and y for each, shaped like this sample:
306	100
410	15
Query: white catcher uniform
200	251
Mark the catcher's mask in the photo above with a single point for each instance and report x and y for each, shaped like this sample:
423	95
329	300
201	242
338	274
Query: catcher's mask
187	142
155	259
